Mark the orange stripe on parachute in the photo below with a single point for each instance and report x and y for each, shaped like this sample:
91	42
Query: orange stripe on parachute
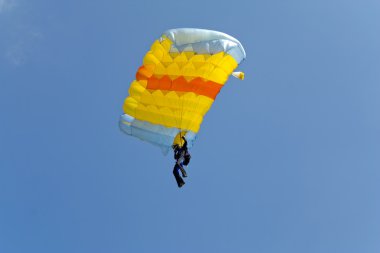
197	85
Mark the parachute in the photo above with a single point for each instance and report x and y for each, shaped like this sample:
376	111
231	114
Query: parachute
175	87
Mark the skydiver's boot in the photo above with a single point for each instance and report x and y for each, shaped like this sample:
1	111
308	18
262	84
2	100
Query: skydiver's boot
178	178
183	171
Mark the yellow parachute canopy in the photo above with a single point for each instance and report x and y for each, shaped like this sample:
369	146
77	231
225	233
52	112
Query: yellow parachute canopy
181	75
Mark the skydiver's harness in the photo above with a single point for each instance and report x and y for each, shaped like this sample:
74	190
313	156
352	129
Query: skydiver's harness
182	156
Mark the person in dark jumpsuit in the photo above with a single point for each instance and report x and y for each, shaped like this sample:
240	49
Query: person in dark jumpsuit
182	157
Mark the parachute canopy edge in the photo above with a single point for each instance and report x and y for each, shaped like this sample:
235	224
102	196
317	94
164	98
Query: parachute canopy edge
183	36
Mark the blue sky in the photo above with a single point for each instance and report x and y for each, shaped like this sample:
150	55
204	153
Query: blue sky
286	161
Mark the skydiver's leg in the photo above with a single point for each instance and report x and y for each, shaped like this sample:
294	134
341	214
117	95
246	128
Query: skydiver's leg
183	171
178	178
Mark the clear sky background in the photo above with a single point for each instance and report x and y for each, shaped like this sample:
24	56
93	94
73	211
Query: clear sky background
286	161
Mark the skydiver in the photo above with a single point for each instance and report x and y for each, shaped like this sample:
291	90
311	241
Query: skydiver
182	157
